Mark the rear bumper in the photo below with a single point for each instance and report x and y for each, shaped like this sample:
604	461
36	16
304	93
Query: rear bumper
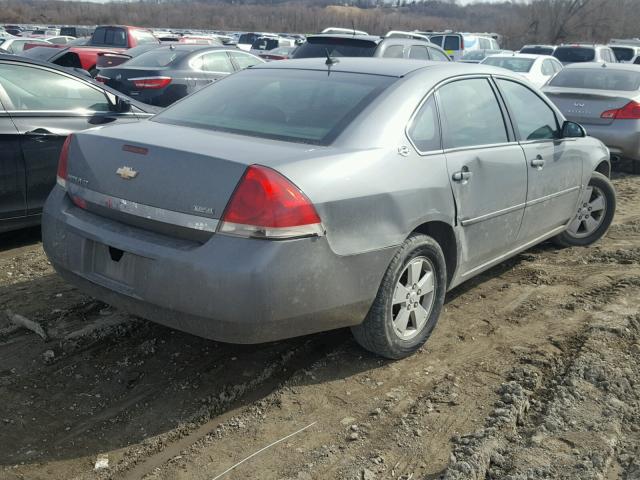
229	289
622	137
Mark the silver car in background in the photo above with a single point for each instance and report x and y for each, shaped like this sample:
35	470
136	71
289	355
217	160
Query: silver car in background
605	99
306	195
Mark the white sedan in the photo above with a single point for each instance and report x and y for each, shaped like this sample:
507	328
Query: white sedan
538	69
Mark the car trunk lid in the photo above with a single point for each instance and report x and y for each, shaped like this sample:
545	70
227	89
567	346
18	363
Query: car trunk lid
124	79
152	175
586	106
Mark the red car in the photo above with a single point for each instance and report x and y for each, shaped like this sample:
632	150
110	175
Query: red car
105	39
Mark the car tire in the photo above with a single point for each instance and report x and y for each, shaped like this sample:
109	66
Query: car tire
409	300
599	192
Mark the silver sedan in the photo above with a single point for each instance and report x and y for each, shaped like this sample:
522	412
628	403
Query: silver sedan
305	195
605	99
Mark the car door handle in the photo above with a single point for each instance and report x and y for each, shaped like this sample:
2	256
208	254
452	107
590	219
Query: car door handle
40	134
461	176
537	162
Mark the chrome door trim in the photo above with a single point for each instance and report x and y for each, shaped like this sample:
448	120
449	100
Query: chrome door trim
553	195
487	216
149	212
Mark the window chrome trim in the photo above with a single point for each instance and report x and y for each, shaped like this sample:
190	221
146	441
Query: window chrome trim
171	217
481	147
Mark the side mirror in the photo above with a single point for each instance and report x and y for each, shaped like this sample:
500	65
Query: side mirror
573	130
122	105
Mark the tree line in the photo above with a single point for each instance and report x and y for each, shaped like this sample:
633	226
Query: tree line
520	22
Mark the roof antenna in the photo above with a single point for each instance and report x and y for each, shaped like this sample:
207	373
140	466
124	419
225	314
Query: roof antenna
330	60
353	27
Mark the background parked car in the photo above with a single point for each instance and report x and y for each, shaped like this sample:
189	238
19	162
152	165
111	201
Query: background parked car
245	40
17	45
606	100
266	43
538	69
120	36
477	56
77	32
40	104
230	172
584	52
538	49
341	45
168	73
59	40
458	44
282	53
625	53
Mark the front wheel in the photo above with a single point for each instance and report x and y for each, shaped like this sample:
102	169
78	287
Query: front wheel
594	214
409	300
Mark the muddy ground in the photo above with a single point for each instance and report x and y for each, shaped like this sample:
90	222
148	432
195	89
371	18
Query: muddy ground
533	372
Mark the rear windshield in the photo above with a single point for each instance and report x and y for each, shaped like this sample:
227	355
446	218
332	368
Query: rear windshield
160	57
144	37
248	38
337	47
116	37
575	54
597	79
520	65
623	54
291	105
451	42
474	55
265	44
537	50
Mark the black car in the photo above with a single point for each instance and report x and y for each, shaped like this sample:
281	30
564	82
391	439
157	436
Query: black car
343	45
169	73
40	105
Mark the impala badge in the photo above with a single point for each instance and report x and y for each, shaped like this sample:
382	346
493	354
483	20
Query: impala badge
579	105
126	172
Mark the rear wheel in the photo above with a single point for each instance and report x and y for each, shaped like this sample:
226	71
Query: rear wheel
594	214
409	301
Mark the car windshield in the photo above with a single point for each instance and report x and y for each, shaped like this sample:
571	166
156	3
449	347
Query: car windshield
575	54
515	64
597	79
160	57
304	106
623	54
336	46
537	50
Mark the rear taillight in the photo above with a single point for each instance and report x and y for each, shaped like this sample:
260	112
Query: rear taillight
631	111
265	204
151	82
61	176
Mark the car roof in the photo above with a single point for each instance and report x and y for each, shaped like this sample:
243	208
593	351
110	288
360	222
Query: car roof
605	66
583	45
531	56
371	38
378	66
191	47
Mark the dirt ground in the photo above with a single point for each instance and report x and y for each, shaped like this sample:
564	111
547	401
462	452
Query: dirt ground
533	372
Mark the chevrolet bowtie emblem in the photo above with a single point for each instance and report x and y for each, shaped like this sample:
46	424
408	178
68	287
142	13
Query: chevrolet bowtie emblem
126	172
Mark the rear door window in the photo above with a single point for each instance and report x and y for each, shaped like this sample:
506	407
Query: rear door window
451	42
424	130
533	117
394	51
437	39
217	62
438	55
244	60
31	88
623	54
471	114
419	52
